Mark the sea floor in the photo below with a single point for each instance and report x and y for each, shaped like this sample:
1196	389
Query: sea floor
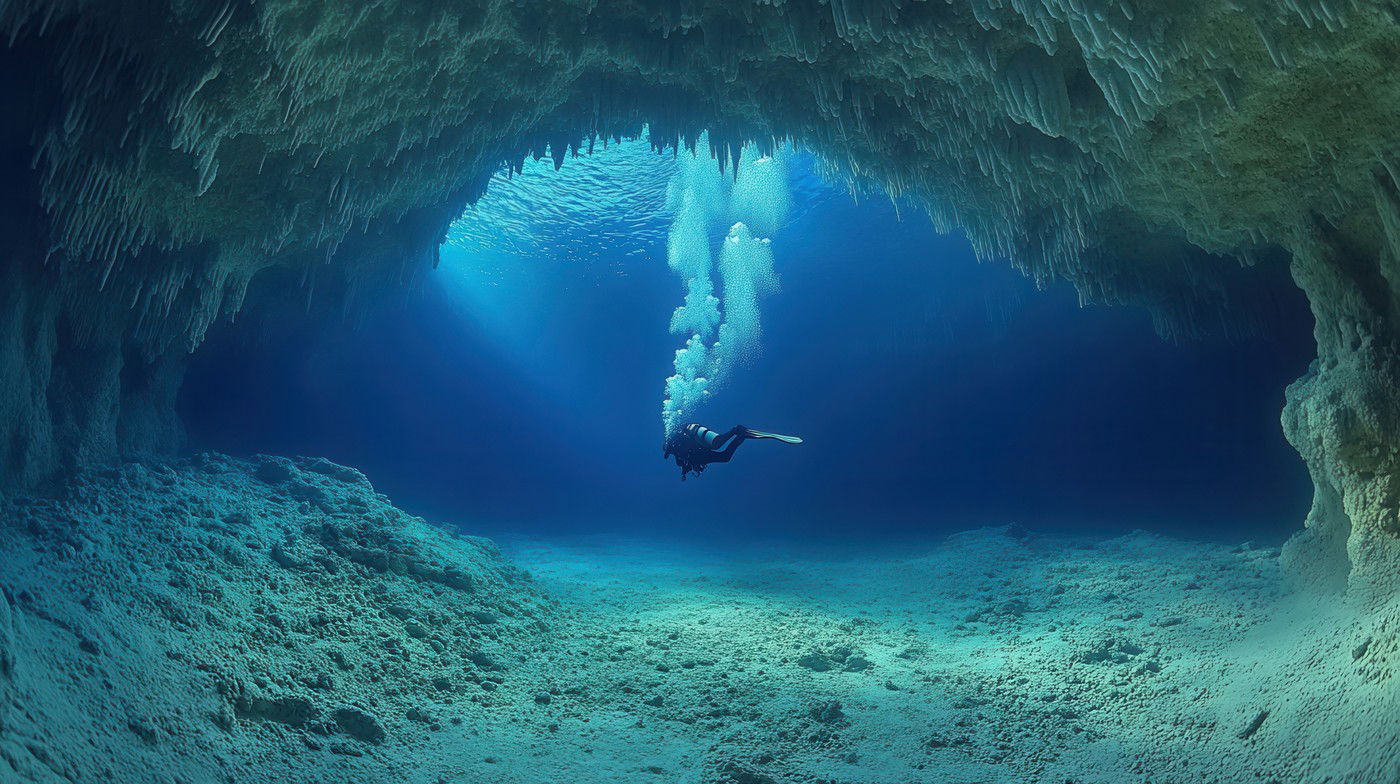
226	620
987	656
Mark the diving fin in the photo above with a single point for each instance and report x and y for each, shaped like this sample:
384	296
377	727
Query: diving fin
778	436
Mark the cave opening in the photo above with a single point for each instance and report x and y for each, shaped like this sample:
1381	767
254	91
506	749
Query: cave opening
516	390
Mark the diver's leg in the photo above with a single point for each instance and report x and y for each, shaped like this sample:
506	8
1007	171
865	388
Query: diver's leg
723	456
737	433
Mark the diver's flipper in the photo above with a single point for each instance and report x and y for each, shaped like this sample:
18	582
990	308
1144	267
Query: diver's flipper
760	434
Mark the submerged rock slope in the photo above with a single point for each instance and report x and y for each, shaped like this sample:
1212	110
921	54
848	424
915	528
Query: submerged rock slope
236	621
231	621
166	156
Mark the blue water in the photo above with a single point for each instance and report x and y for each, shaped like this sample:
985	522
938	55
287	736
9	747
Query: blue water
521	388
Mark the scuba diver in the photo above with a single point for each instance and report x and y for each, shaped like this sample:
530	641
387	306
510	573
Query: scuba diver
696	446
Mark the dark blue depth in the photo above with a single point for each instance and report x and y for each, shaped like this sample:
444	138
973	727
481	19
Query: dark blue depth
934	393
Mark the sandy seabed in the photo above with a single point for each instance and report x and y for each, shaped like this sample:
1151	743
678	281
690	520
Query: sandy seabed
221	620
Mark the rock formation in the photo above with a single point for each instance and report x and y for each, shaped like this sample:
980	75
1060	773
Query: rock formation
165	154
221	620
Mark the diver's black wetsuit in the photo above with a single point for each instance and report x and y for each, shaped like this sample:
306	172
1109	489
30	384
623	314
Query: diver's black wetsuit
696	446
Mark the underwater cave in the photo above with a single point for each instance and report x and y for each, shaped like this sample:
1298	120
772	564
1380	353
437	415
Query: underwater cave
350	352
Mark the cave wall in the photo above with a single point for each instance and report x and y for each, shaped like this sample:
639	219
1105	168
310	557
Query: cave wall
171	151
72	396
1344	415
77	388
